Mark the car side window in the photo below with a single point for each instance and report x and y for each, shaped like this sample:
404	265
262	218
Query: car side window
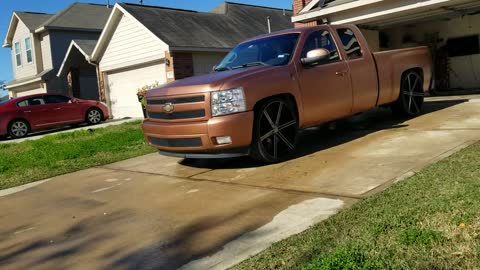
350	43
35	101
54	99
321	39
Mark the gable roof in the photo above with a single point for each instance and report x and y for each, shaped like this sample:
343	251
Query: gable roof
78	49
220	29
77	16
33	20
223	27
80	16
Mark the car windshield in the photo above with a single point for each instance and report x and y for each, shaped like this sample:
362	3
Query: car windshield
271	51
3	102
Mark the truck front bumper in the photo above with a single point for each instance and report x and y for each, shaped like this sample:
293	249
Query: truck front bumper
199	139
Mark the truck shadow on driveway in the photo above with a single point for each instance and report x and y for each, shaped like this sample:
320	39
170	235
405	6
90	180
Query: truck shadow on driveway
317	139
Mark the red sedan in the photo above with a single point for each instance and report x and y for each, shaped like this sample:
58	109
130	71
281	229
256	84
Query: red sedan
20	116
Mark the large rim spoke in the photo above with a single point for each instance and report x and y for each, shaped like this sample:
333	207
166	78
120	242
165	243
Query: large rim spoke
279	114
285	140
275	146
286	125
415	104
267	116
268	135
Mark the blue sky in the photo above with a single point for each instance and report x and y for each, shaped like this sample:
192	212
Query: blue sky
53	6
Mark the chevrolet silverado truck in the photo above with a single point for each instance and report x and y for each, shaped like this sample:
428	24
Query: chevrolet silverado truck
271	86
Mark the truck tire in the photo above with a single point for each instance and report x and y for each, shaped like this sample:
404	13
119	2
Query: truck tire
411	98
275	131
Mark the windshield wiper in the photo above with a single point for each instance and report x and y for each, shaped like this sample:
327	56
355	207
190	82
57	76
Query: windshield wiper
252	64
222	69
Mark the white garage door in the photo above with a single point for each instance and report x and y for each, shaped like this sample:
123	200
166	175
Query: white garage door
30	92
123	87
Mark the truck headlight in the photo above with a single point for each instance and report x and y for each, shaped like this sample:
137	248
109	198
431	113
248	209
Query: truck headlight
228	101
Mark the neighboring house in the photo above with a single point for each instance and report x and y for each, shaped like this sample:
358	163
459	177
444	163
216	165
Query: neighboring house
141	45
451	28
38	43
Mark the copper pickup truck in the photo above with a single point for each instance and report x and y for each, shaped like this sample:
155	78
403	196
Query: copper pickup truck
269	87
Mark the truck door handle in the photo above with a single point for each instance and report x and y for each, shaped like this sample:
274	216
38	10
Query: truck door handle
341	73
27	111
57	109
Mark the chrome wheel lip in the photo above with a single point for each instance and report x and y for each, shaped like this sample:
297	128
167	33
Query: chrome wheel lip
94	117
275	134
19	129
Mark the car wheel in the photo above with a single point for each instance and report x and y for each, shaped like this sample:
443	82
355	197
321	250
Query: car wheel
94	116
275	131
411	98
18	129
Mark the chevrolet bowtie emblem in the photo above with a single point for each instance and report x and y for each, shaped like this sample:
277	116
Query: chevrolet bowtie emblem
168	107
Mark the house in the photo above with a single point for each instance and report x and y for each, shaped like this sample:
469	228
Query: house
451	28
38	44
141	45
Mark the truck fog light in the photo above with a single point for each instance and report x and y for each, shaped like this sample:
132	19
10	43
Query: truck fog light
224	140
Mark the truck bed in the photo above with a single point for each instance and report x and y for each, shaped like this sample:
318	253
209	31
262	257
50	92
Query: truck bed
390	65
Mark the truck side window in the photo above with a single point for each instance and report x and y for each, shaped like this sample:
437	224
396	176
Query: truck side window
321	39
350	43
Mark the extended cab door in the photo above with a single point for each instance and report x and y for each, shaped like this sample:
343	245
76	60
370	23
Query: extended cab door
326	89
363	71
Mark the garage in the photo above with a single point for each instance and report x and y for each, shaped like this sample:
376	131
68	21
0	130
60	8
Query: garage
123	85
450	28
27	90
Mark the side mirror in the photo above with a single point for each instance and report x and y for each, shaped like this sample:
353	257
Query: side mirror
214	68
75	100
315	57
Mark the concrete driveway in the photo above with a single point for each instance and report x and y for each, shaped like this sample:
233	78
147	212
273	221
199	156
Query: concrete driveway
156	212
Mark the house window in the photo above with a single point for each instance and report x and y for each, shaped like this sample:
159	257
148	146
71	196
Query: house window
28	50
18	54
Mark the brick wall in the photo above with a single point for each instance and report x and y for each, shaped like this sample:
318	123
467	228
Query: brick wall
298	5
182	65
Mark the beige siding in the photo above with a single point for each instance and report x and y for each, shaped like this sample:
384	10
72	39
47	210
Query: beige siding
131	44
26	90
46	51
204	61
26	69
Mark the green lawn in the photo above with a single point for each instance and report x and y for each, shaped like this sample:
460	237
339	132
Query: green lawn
58	154
430	221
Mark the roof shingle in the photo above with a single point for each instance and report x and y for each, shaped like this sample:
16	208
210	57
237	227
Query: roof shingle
222	28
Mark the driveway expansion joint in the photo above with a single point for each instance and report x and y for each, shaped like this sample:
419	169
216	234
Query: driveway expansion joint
294	191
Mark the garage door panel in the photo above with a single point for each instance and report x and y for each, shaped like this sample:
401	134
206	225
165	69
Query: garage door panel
31	92
123	87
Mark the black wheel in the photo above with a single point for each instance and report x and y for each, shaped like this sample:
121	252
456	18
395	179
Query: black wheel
18	129
94	116
411	98
275	131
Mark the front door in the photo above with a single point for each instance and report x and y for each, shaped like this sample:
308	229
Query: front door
326	87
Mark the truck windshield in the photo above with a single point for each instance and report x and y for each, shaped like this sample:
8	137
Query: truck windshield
271	51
